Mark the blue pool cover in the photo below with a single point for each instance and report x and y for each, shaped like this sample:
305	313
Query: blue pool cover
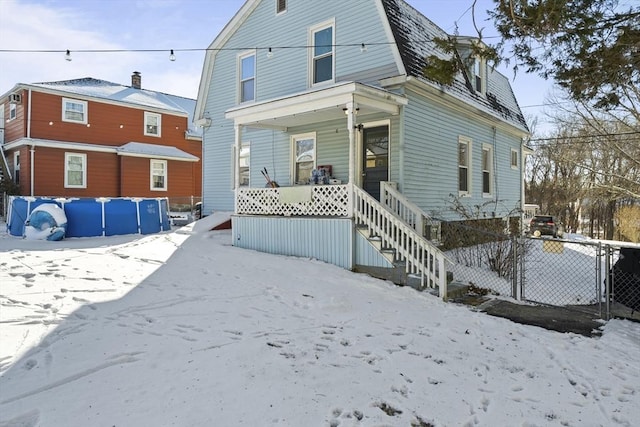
90	217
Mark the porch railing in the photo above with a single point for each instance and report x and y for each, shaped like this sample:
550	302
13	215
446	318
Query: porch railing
421	257
312	200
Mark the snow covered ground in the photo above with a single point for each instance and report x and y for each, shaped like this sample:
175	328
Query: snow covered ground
183	329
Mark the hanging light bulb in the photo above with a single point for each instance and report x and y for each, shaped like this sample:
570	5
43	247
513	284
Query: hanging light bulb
67	56
269	53
172	56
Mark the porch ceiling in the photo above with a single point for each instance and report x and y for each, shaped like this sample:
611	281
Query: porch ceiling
316	106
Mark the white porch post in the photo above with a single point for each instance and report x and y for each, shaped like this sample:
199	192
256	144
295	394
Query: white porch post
236	164
352	143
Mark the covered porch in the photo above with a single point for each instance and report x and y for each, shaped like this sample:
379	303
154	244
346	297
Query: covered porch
350	103
341	223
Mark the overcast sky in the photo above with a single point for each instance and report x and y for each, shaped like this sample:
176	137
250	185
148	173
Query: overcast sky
128	25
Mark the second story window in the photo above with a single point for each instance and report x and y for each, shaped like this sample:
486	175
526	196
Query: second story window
281	6
152	124
74	111
247	77
13	111
322	63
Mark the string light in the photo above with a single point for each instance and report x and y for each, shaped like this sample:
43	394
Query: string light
67	56
172	56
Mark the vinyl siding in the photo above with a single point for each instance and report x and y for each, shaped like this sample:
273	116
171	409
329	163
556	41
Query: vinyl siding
284	74
431	160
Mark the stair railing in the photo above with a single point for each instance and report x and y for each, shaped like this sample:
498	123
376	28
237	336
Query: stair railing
408	211
421	257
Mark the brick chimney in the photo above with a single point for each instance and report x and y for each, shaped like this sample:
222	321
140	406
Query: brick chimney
136	80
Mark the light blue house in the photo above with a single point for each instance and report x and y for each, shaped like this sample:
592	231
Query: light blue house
328	100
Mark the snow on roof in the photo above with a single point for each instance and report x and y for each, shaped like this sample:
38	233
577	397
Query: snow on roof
156	151
102	89
413	31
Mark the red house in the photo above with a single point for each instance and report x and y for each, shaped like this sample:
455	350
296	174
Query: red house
93	138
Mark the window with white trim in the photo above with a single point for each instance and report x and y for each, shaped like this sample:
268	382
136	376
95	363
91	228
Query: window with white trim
281	6
464	166
16	167
152	124
13	111
322	53
487	170
158	175
304	157
245	163
247	77
74	111
75	170
477	74
514	159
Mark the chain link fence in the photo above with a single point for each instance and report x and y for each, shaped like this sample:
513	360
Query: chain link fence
601	277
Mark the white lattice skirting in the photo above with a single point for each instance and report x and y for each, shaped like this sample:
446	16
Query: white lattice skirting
313	200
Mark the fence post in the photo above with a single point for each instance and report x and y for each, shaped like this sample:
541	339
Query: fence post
514	266
607	251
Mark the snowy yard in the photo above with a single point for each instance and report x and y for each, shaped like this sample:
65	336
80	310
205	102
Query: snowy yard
184	329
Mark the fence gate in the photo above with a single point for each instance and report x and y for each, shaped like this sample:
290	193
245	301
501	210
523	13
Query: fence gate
582	275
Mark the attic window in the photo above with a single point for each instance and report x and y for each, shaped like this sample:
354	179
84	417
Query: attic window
281	6
477	75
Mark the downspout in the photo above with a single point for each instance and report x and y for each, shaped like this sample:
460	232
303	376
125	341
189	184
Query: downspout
400	150
32	151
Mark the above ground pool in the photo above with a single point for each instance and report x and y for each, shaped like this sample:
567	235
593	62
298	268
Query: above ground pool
91	217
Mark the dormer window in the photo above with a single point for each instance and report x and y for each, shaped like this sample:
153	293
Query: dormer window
477	74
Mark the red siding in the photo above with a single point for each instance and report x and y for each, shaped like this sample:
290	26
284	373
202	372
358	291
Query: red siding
108	175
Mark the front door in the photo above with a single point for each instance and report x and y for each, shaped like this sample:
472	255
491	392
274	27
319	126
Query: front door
375	142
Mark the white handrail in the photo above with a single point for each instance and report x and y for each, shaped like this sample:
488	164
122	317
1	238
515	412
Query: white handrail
408	211
420	256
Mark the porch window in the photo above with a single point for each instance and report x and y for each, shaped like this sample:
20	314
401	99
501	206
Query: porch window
75	170
464	166
16	167
245	164
514	159
158	175
304	154
152	124
247	77
322	63
487	170
74	111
